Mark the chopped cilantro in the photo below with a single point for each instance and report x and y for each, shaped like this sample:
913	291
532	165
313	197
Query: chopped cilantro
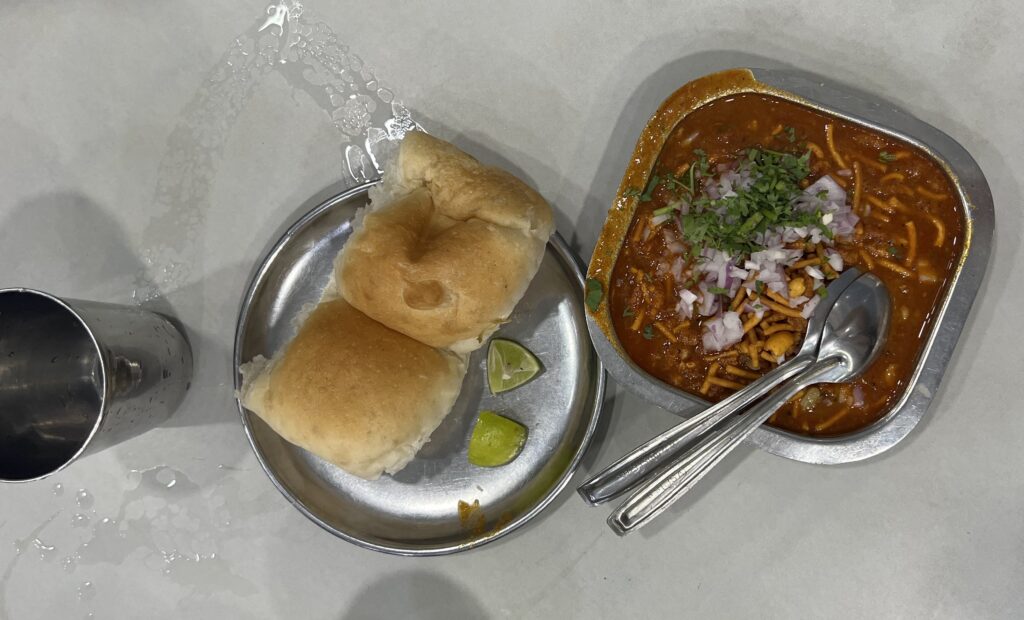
627	312
759	285
886	157
594	294
664	210
718	290
631	192
648	332
893	251
651	185
822	292
702	164
730	223
790	133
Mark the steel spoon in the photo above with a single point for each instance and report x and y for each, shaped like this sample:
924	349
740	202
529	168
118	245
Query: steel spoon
631	469
855	331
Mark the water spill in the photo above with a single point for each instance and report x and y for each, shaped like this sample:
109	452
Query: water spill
84	499
19	546
171	525
165	480
80	520
86	591
58	489
286	40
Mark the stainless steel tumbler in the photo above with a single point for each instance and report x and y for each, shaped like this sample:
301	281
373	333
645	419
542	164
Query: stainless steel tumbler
79	376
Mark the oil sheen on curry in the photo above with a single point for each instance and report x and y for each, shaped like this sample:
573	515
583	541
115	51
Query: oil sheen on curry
754	205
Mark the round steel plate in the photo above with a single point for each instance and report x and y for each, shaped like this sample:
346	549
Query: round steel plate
417	511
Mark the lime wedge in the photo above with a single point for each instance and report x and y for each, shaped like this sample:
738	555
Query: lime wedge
496	440
509	365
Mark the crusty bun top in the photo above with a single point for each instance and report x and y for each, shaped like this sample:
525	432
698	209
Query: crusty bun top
354	392
451	250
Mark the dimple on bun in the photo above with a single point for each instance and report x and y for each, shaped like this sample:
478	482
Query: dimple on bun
448	247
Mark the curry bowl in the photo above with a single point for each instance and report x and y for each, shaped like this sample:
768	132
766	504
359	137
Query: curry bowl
671	269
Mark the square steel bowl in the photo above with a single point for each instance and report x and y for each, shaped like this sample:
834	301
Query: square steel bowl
976	209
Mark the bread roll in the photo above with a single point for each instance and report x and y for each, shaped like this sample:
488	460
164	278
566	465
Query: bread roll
354	392
447	248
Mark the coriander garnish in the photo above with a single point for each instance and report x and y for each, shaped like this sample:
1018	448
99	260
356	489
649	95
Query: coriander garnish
729	223
886	157
594	294
648	332
646	196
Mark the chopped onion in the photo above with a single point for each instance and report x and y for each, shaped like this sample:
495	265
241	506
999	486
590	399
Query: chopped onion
722	332
835	193
814	272
858	396
835	260
677	268
685	306
708	301
810	306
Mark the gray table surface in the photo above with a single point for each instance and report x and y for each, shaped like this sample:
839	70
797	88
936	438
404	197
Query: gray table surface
98	119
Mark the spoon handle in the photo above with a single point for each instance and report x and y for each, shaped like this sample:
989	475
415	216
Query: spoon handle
626	472
663	490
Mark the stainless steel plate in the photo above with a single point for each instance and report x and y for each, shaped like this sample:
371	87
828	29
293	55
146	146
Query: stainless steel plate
417	511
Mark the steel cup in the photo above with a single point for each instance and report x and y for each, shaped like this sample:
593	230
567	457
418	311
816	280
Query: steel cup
79	376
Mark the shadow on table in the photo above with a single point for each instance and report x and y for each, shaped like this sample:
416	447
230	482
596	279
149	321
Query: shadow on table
66	244
415	593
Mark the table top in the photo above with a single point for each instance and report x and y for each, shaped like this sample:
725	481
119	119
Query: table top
129	177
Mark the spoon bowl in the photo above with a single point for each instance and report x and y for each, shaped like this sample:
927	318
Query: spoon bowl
634	467
854	333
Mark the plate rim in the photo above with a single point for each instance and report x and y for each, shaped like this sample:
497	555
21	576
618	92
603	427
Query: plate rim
593	410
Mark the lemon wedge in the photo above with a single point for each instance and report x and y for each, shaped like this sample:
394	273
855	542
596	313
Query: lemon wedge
496	440
509	365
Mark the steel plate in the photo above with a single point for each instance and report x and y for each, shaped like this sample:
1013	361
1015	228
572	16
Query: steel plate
416	512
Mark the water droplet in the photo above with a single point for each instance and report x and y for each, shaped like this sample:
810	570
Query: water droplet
79	520
84	499
45	551
58	489
86	591
166	476
70	563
